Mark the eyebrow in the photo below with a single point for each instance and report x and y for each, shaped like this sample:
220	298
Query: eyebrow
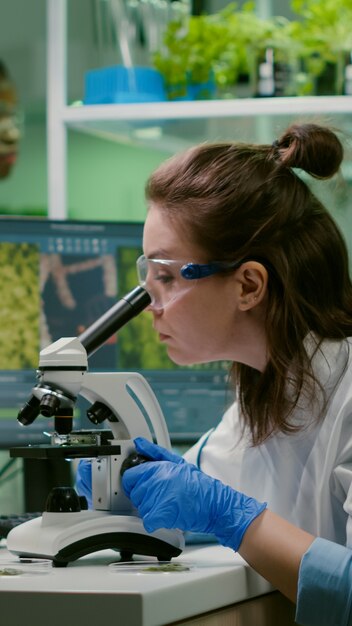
160	254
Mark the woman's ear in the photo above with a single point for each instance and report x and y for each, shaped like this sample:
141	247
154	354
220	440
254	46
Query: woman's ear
253	279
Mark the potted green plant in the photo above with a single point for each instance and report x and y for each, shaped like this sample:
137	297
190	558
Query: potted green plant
265	42
192	48
210	52
324	33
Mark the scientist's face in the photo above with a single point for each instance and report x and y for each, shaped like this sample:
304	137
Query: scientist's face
201	323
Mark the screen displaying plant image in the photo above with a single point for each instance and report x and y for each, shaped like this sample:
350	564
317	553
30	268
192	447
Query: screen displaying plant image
57	278
20	305
77	289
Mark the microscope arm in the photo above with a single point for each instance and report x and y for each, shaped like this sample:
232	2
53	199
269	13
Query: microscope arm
124	393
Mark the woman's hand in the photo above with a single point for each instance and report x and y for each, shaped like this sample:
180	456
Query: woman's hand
171	493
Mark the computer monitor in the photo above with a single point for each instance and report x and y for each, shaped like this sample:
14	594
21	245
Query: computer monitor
57	278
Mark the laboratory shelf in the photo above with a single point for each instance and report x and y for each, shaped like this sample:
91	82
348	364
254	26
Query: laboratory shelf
168	126
174	126
316	105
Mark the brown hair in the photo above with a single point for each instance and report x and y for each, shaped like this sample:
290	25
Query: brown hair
240	200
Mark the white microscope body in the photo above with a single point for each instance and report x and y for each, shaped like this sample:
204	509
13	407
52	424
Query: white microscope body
65	532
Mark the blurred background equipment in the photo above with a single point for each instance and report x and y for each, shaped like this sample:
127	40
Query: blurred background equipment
9	123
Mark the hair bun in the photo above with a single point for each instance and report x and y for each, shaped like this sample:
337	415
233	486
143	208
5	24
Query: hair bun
313	148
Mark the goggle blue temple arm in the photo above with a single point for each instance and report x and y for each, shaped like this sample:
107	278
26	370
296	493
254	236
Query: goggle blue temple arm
193	271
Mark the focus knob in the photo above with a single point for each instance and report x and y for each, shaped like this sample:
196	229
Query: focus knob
63	500
132	460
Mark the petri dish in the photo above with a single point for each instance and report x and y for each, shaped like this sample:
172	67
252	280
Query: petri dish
150	567
25	567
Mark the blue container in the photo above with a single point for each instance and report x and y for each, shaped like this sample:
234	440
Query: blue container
120	84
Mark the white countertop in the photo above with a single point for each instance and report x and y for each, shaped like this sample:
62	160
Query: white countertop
93	592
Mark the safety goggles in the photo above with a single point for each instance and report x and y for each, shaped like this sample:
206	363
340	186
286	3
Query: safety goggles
166	280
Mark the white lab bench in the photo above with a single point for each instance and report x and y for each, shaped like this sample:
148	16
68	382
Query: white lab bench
218	588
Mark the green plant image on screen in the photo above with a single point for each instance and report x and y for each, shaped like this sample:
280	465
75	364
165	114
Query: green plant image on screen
139	346
20	306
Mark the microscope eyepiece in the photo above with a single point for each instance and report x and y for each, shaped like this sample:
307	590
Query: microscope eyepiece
110	322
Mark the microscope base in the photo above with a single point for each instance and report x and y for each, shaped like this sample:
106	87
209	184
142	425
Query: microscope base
65	537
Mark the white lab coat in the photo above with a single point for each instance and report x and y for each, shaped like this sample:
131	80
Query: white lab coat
305	477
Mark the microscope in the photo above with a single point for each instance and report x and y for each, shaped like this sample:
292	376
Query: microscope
67	529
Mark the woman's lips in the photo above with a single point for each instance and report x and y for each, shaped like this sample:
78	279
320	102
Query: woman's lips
163	337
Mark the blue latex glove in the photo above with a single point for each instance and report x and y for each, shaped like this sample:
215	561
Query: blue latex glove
83	484
171	493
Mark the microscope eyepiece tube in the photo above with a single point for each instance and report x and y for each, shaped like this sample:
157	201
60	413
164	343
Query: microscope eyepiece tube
117	316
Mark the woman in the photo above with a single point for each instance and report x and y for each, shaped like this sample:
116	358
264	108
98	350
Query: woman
275	299
244	264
